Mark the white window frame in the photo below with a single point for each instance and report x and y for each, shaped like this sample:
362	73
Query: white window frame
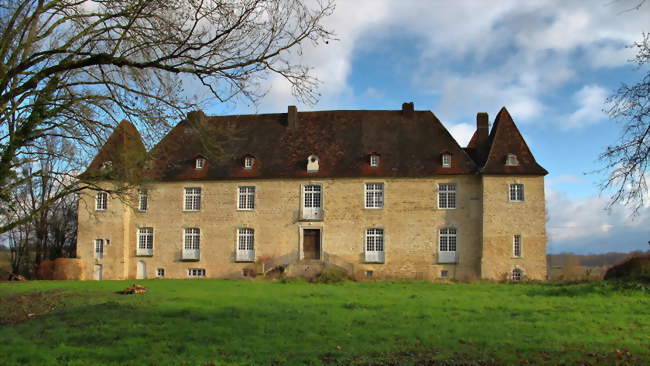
309	210
191	243
446	160
374	245
199	163
448	239
246	198
245	245
160	272
145	241
192	198
517	274
101	201
249	161
374	160
143	200
516	192
511	160
99	248
517	246
447	196
196	272
374	195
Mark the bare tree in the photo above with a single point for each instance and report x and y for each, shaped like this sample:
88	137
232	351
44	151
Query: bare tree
74	68
627	160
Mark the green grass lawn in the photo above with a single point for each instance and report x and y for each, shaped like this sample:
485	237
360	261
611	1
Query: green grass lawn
199	322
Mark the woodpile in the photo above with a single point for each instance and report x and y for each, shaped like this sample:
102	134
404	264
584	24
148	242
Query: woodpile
133	290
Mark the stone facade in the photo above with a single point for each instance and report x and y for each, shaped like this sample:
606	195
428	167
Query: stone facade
408	153
484	218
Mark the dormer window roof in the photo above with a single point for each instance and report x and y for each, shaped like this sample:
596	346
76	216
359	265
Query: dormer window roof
374	160
249	161
312	163
199	163
446	160
511	160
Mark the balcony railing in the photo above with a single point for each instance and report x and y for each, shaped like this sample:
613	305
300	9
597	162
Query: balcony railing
191	254
447	257
146	252
245	255
312	214
375	257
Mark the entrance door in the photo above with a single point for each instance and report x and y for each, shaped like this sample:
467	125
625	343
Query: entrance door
97	273
311	244
142	271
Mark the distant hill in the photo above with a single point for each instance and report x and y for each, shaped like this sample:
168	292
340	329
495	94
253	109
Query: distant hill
590	260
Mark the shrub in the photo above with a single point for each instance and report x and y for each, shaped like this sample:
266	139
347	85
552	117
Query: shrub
635	268
331	275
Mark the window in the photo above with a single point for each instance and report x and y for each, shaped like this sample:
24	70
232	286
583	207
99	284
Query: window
248	162
312	164
516	246
99	248
369	273
446	160
312	202
447	245
107	165
375	245
196	272
444	273
145	241
374	160
101	201
511	160
447	195
312	196
517	274
199	163
192	238
142	200
246	198
160	272
192	199
516	192
374	195
245	245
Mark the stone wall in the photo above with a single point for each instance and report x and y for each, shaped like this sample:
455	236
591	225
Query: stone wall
410	218
502	219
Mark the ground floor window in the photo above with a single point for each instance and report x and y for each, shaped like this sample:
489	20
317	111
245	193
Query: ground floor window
517	274
99	248
444	273
160	272
196	272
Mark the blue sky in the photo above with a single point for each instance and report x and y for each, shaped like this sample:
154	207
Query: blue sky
551	63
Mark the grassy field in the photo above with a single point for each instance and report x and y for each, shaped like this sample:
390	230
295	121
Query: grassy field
214	322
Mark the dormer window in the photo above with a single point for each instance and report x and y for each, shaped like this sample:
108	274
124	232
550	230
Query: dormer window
249	161
511	160
374	160
199	163
312	164
446	160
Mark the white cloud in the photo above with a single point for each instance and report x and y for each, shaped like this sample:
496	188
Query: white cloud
584	225
590	100
462	132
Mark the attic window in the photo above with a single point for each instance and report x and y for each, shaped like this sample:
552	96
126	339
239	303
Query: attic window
374	160
446	160
511	160
312	164
249	161
199	163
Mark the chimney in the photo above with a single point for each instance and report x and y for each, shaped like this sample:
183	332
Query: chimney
292	117
408	110
482	134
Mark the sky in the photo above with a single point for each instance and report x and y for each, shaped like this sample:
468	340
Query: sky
551	63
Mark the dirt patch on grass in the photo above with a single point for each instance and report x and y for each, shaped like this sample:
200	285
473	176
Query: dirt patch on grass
18	308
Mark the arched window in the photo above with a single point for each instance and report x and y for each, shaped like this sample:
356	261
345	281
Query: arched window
312	163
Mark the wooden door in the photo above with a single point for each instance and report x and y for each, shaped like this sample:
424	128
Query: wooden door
311	244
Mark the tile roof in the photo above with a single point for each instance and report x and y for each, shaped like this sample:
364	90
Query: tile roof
410	144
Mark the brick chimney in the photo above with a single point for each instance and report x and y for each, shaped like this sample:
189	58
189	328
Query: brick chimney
408	109
292	117
482	134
